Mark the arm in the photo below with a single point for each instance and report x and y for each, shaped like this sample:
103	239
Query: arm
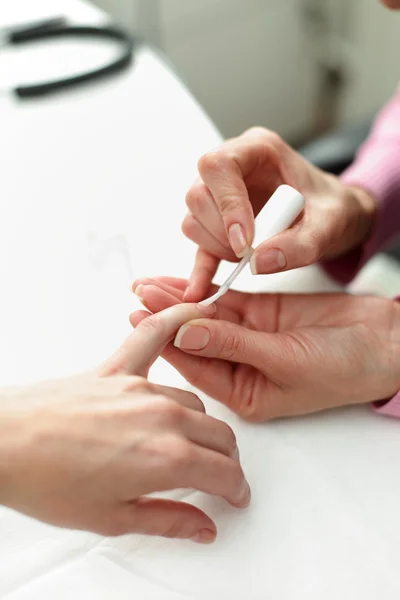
377	171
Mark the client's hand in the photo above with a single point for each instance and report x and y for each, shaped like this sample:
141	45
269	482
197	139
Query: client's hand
84	452
267	356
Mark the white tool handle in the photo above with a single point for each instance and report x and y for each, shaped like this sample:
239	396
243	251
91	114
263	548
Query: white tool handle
281	210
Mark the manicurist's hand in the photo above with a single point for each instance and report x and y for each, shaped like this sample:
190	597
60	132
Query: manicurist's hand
237	179
268	356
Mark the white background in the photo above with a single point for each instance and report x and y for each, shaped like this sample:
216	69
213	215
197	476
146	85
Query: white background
253	62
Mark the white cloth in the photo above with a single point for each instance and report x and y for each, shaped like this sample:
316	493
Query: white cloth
92	188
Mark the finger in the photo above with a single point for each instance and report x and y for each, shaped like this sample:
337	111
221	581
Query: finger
183	397
201	204
224	178
172	282
205	268
301	245
150	337
138	316
208	471
156	299
213	376
166	518
226	341
210	433
195	231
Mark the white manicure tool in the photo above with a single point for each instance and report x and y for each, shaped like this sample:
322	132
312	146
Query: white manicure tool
281	210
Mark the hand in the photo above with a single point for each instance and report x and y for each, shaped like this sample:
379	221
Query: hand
269	356
84	452
236	181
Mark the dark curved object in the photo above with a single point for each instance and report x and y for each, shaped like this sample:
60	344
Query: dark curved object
58	27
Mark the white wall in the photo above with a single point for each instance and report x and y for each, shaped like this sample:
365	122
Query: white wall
233	57
250	62
247	62
374	65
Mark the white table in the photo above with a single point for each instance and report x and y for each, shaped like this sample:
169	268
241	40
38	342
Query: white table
92	188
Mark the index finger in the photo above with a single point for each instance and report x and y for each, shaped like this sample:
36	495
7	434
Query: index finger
146	343
223	176
205	267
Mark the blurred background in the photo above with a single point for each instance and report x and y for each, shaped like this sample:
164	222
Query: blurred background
299	67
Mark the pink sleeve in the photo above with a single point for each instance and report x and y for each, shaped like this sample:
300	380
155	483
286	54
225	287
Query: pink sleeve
390	408
377	170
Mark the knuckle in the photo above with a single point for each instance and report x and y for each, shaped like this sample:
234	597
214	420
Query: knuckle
311	250
211	161
267	135
179	454
167	457
256	130
168	413
189	228
195	197
137	384
197	403
232	346
274	140
151	325
229	203
245	403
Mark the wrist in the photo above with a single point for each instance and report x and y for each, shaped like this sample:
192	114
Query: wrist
365	208
12	442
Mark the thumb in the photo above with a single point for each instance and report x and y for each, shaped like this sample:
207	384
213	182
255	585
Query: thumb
151	516
228	341
294	248
146	343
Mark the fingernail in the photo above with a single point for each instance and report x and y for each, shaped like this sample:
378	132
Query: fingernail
204	536
191	337
270	261
237	240
139	292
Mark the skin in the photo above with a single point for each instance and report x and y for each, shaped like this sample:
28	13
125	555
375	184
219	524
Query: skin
393	4
85	452
234	183
269	356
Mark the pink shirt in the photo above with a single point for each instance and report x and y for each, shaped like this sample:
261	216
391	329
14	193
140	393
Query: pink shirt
377	170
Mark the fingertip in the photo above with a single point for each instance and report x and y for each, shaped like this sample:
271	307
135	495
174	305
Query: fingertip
204	536
195	292
137	317
245	497
189	295
139	282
